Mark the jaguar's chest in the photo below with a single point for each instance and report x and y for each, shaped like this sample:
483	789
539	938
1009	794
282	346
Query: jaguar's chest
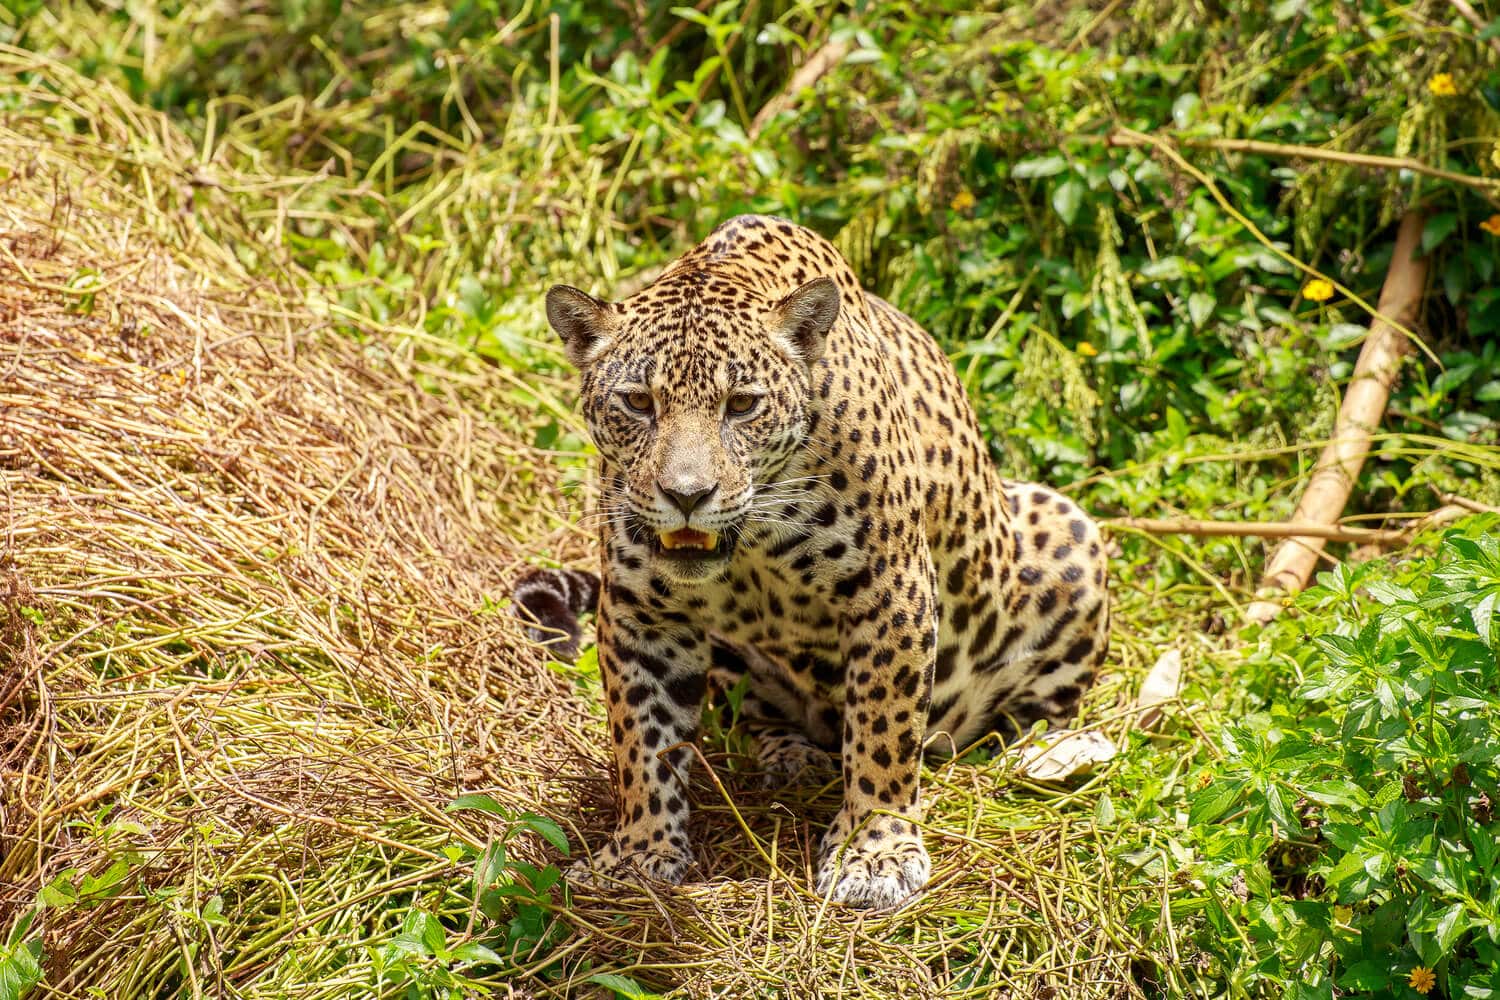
778	595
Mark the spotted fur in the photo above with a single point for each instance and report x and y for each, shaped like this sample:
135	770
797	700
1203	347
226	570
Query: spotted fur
881	586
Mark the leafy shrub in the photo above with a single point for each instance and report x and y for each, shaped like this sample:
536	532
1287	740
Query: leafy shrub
1348	829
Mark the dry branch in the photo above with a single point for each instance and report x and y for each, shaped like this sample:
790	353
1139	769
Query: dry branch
1288	529
1288	151
1292	563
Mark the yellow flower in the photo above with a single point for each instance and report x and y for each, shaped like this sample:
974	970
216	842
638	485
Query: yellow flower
1491	225
1421	979
963	201
1442	85
1088	350
1317	290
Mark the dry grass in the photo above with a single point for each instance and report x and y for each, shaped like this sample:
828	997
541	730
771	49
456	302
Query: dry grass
249	575
249	569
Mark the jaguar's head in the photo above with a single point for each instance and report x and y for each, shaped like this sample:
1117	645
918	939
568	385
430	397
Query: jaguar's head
697	393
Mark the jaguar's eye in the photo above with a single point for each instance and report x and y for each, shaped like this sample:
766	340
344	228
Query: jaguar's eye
742	403
640	402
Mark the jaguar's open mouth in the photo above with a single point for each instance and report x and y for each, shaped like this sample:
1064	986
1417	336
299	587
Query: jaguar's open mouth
690	543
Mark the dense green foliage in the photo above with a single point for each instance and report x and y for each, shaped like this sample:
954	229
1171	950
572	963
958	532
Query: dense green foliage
1350	818
1133	307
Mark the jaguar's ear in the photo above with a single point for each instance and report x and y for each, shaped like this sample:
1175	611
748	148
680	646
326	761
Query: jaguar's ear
804	318
583	322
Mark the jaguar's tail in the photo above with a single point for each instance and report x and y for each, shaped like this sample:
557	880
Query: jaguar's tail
550	601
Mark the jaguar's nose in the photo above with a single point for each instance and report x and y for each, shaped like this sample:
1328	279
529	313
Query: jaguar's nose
688	501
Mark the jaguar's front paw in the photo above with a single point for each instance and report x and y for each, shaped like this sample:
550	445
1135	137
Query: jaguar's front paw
881	866
616	863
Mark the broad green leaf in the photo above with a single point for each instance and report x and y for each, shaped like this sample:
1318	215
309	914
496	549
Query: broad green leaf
433	935
1337	793
1451	926
476	952
1371	974
1066	198
1483	615
1438	229
1104	811
1281	810
623	986
1200	307
20	969
479	801
547	829
1213	801
213	912
1041	166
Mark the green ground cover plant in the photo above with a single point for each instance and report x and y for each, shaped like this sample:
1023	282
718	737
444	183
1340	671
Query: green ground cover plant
1148	309
1347	821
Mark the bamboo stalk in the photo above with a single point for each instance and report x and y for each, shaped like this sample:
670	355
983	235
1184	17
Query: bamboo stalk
1292	564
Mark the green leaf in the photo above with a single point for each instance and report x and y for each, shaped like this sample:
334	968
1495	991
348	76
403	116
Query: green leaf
1104	811
1213	801
1066	199
107	884
1041	166
1348	877
490	865
213	912
1438	228
547	829
1337	793
1282	811
1451	926
1200	307
433	935
59	891
1371	974
1167	268
20	969
1185	109
1483	615
476	952
623	986
479	801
